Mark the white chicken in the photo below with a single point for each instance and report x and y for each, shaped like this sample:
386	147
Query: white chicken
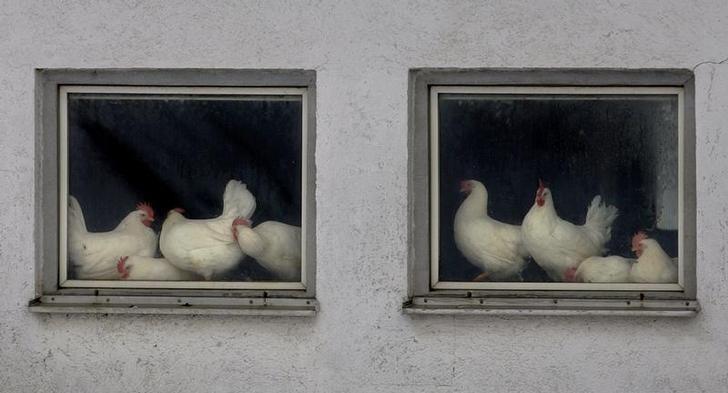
274	245
558	245
601	269
136	267
94	255
653	265
496	248
207	246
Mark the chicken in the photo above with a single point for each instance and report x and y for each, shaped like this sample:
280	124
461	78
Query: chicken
207	246
496	248
653	264
94	255
154	269
557	245
601	269
274	245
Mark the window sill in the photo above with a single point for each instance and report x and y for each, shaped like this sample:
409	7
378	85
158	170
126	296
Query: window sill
551	307
284	307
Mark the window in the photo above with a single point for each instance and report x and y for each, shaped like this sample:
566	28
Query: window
176	191
553	191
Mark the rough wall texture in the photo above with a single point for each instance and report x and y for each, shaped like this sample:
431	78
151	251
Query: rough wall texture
360	341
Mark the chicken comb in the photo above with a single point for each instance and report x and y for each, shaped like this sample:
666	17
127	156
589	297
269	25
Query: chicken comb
637	238
146	207
541	186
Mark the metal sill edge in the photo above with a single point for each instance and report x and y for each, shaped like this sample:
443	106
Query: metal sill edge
283	307
551	307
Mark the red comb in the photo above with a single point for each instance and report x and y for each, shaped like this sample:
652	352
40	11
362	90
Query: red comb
637	238
147	208
541	186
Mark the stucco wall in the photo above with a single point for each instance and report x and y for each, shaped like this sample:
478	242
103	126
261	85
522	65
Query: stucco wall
360	341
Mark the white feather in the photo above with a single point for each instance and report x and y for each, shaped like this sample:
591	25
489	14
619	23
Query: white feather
237	200
558	245
275	246
604	269
207	246
494	247
654	265
94	255
153	269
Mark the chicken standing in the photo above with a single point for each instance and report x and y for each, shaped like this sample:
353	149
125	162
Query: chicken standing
94	255
136	267
653	265
274	245
496	248
207	246
558	245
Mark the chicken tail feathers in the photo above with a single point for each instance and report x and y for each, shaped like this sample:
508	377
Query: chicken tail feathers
599	219
237	200
76	221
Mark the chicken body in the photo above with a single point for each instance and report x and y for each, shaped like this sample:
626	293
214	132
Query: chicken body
153	269
653	264
612	269
274	245
494	247
558	245
94	255
207	246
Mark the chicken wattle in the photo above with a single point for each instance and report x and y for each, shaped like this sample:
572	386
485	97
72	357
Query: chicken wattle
558	245
94	255
496	248
207	246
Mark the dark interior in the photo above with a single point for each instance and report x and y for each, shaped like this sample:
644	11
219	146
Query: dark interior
621	147
177	151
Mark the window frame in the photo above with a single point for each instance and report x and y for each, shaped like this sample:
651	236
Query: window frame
504	298
221	297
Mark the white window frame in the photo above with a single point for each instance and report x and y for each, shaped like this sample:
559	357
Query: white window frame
430	295
56	293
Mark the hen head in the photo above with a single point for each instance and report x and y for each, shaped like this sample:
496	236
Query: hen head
638	246
468	186
542	194
146	213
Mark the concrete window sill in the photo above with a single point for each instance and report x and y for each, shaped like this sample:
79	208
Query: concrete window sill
559	307
68	304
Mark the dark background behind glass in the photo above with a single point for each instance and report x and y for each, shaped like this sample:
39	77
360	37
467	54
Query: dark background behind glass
181	153
580	148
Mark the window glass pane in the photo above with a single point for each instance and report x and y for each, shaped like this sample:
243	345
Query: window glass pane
182	151
621	147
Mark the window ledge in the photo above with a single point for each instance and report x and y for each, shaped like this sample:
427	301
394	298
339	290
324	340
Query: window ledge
555	307
284	307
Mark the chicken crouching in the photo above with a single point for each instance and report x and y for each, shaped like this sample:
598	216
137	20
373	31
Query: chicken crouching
94	255
207	246
151	269
653	265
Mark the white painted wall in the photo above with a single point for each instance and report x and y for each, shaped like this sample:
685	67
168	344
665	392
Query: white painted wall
360	341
